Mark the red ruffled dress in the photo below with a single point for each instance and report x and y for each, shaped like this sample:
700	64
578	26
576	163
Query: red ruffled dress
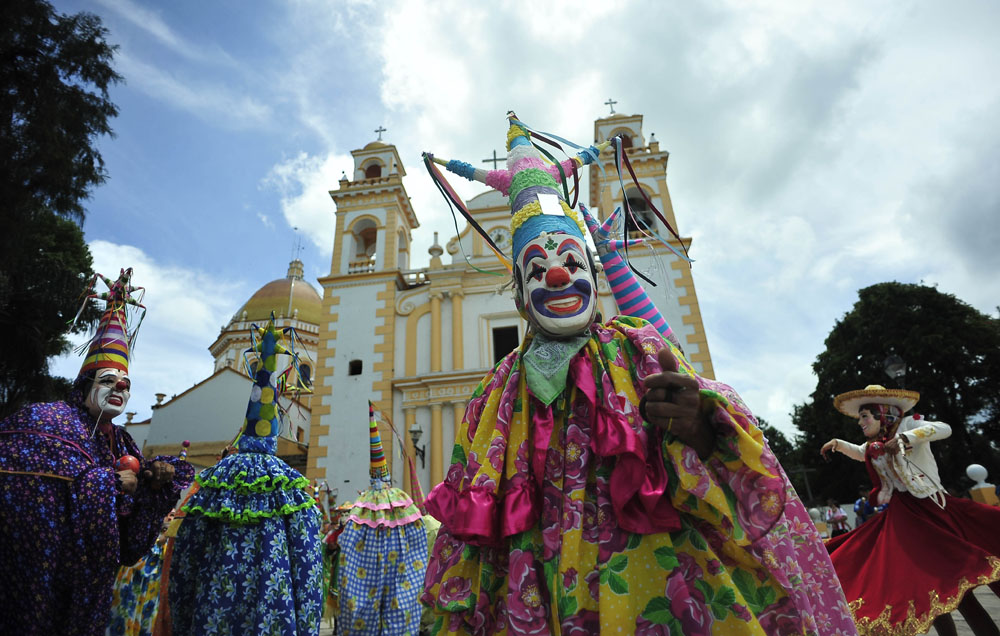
914	562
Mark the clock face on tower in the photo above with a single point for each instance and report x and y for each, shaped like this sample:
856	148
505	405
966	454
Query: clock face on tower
501	236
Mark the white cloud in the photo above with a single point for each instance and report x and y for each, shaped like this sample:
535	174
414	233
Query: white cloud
152	22
266	220
186	309
209	100
304	183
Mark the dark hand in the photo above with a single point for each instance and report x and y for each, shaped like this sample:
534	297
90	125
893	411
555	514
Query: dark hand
672	402
158	474
128	481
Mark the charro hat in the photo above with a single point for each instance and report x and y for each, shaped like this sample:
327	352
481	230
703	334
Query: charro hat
849	403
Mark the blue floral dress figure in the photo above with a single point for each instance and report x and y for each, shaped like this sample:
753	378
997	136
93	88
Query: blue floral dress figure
247	559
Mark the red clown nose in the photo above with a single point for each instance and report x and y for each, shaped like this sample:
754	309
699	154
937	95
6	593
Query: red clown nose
556	277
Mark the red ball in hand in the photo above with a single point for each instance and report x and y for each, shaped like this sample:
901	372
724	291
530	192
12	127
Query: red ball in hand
127	462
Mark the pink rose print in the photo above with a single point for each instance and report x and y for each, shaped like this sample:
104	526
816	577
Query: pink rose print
447	552
553	465
482	620
687	604
593	581
586	623
644	628
572	514
454	589
569	579
781	618
485	481
689	568
526	597
495	453
577	455
714	566
552	503
741	612
455	473
521	458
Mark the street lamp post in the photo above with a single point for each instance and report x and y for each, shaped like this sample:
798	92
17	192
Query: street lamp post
895	368
420	451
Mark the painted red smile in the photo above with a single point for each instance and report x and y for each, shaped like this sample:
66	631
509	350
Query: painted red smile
564	304
114	400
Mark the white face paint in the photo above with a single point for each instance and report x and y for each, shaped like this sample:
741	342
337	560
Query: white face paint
558	290
109	394
869	424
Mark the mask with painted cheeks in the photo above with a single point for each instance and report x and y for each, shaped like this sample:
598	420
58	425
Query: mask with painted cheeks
556	286
108	394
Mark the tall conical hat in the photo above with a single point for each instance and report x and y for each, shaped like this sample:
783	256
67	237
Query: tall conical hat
261	424
379	467
536	204
109	348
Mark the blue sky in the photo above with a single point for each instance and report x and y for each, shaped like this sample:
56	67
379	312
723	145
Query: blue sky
816	148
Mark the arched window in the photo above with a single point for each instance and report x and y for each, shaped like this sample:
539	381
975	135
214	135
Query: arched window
373	171
305	374
639	208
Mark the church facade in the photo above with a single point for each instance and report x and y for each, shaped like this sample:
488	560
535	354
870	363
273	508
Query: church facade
416	342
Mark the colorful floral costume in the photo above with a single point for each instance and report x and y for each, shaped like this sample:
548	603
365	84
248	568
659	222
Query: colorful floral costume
64	524
383	556
581	518
247	558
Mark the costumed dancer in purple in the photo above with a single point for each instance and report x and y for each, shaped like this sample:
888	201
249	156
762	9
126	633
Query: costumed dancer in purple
77	498
598	485
910	566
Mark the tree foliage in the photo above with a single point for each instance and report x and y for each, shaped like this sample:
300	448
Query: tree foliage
55	71
952	353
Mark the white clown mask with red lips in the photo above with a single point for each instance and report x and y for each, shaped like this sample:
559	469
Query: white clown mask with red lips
557	286
108	394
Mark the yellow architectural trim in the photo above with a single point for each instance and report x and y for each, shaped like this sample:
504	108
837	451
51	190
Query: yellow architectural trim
436	444
435	331
411	338
338	247
457	337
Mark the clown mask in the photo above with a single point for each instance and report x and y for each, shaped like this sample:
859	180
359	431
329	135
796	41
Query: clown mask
109	393
557	287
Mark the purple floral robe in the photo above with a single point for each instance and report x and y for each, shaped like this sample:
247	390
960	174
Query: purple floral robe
65	525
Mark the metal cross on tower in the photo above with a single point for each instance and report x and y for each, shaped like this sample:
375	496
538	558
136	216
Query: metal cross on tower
381	130
611	103
495	160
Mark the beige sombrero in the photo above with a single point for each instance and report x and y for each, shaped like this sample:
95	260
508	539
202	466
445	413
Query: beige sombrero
849	403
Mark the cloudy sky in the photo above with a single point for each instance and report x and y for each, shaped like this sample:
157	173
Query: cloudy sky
816	148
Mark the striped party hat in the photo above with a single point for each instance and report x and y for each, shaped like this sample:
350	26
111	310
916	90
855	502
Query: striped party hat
536	203
109	348
379	467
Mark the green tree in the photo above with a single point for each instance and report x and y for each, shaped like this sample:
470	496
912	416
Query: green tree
55	71
952	353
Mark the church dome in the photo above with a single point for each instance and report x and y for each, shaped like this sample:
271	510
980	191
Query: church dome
283	296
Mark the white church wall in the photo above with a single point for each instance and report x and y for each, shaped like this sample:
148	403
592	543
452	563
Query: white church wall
346	462
212	411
